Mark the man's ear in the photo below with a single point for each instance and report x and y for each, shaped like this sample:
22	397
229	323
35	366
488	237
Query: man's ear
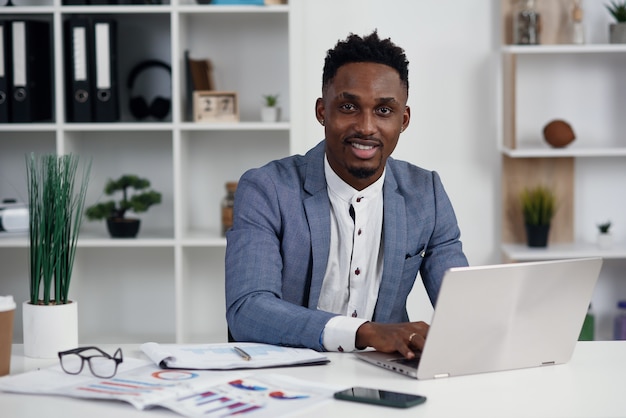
320	111
406	118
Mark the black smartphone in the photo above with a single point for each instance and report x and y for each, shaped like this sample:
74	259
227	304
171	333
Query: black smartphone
380	397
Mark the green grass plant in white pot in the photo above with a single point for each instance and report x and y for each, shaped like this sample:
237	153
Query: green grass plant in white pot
56	193
617	29
270	111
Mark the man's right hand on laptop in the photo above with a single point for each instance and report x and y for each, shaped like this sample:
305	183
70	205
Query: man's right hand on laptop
405	338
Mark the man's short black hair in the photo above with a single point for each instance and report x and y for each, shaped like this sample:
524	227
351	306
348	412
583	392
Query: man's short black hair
370	48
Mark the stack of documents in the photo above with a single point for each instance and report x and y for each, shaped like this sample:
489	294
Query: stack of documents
229	356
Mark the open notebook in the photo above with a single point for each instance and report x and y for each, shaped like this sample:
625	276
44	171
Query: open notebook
502	317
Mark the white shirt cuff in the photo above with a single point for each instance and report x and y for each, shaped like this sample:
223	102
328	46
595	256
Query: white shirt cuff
340	333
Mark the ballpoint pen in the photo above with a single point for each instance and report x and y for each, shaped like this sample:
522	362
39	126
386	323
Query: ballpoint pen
242	354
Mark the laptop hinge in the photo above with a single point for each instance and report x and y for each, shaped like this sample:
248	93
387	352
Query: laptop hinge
548	363
441	375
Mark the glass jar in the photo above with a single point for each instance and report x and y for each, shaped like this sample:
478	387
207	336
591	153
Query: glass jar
526	23
228	202
619	332
578	30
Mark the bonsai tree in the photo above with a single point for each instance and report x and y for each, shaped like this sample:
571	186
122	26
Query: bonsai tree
617	10
137	202
538	205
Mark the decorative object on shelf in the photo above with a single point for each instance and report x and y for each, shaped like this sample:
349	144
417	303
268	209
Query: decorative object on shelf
605	239
56	193
558	133
270	112
227	206
526	23
617	31
13	216
118	225
215	106
199	76
577	27
538	208
160	106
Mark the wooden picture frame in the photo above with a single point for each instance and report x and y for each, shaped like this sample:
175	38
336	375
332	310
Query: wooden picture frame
215	106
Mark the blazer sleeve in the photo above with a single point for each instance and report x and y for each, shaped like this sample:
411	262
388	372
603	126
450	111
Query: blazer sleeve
260	301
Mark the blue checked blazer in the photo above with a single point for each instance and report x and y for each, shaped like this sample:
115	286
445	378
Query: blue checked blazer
278	247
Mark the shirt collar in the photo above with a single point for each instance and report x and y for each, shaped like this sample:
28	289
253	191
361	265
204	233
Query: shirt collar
346	192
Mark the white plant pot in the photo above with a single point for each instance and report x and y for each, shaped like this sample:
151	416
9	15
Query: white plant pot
270	114
49	329
605	241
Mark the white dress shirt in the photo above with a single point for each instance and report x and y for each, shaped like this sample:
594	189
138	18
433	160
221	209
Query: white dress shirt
355	261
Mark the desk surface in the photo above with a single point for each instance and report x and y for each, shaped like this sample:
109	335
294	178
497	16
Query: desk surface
590	385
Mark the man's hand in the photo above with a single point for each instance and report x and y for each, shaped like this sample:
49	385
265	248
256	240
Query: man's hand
404	338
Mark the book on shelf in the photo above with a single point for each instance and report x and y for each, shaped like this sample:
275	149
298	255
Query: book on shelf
228	356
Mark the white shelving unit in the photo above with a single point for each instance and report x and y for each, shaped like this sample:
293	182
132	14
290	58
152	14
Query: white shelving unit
583	85
168	284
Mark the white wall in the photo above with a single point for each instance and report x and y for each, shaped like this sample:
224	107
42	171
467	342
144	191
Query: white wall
452	47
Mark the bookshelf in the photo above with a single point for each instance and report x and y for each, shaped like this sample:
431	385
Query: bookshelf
167	284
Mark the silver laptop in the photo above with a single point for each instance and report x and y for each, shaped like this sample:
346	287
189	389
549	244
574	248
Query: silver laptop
502	317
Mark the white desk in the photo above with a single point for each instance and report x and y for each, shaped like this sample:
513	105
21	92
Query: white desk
591	385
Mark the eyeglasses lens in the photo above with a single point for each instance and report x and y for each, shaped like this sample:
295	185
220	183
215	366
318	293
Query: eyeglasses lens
102	366
71	363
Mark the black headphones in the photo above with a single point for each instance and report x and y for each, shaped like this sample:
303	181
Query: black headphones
139	108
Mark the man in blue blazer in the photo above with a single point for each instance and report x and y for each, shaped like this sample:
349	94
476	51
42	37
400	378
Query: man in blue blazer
326	247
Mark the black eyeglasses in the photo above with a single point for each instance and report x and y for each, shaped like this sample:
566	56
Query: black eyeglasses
100	363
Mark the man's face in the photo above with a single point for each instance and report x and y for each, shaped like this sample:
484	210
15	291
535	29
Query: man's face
363	110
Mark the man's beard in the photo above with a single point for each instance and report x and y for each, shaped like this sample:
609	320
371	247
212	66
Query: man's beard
362	173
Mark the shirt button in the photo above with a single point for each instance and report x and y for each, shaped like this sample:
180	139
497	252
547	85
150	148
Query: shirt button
357	271
354	314
358	199
359	232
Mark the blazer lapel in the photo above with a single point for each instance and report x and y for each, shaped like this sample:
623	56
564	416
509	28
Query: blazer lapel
394	237
317	208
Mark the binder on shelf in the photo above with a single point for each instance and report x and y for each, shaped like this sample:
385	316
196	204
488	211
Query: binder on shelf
5	66
32	75
106	100
78	91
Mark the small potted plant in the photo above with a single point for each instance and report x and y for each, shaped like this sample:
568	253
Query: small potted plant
270	112
56	197
538	208
118	225
617	30
605	239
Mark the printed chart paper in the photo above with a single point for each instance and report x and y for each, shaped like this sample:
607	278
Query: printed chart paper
187	392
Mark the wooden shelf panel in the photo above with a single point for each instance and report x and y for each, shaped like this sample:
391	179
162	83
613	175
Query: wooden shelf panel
520	173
